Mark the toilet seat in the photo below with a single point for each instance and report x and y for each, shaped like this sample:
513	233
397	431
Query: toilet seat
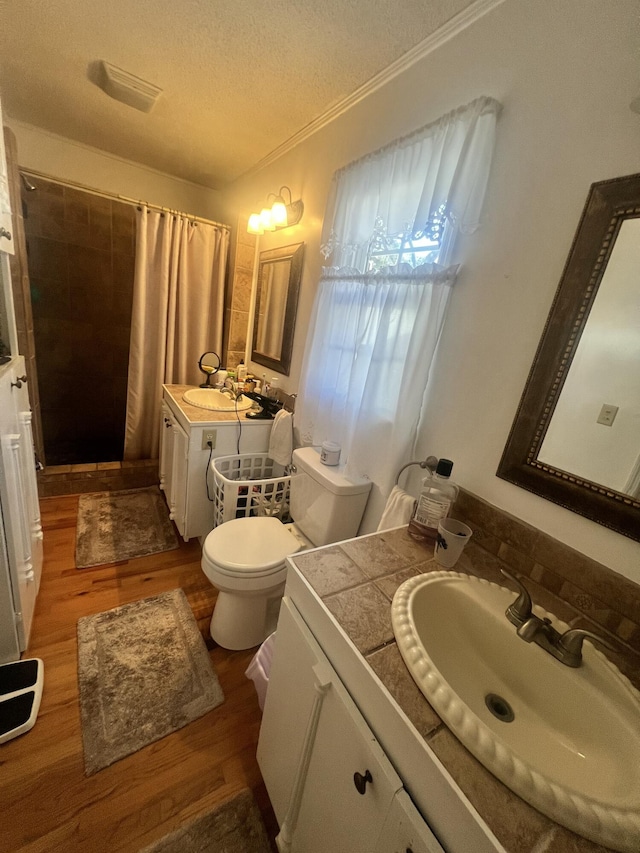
250	547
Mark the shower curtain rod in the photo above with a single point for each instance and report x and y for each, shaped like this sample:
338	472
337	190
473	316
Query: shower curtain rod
123	198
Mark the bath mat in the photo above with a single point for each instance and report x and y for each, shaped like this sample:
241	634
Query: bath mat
232	827
143	672
116	526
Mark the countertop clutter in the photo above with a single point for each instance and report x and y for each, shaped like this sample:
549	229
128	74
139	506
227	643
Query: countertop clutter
356	581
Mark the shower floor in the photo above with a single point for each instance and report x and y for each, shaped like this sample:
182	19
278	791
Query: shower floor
79	452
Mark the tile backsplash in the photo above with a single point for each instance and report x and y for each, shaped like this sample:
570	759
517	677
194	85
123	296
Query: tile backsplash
594	596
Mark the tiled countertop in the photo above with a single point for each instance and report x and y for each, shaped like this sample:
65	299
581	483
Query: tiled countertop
356	581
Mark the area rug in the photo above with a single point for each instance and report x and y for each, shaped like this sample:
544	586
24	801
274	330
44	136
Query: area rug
143	672
232	827
116	526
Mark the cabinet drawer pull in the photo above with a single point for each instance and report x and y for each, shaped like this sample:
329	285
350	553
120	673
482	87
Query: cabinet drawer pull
5	233
360	781
20	380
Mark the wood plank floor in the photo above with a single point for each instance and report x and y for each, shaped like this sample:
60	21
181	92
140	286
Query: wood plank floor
47	802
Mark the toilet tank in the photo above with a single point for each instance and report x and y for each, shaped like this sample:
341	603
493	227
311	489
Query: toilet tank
326	505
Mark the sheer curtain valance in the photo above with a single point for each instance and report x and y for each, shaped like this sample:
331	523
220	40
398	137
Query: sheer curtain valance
413	186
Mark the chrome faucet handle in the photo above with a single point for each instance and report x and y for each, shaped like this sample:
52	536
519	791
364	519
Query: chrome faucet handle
520	611
570	645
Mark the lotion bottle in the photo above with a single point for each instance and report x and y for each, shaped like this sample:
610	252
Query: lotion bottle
436	499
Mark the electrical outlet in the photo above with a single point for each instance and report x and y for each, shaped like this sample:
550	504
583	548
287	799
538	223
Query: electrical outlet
607	414
208	439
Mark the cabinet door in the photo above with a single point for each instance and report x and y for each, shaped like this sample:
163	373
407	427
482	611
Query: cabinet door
166	452
179	477
405	830
343	784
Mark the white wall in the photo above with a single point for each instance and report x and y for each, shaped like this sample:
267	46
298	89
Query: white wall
67	160
565	73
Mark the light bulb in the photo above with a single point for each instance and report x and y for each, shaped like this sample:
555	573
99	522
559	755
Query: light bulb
254	226
279	213
266	220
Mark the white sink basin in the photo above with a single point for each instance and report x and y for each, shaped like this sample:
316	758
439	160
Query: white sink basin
573	748
211	398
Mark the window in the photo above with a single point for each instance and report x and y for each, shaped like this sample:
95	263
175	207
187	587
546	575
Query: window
389	230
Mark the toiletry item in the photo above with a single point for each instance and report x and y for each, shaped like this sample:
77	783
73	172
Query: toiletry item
273	386
436	499
330	453
241	373
220	377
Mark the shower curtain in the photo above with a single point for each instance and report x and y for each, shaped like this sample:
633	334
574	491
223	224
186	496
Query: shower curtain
178	309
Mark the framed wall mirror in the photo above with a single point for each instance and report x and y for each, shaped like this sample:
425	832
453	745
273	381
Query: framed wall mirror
575	439
276	303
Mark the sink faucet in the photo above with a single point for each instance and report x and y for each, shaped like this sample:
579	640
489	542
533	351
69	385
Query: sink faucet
567	647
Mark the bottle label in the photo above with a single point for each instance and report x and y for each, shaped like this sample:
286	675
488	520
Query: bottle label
431	510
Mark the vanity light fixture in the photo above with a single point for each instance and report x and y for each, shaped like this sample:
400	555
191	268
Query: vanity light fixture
281	214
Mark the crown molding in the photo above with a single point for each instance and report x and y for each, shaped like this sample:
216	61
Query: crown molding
441	36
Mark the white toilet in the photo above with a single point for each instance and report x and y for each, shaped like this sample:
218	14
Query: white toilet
245	558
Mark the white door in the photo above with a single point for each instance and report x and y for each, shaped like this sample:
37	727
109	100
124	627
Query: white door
6	226
15	505
29	479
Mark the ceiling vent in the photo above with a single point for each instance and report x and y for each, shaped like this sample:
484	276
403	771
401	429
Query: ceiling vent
127	88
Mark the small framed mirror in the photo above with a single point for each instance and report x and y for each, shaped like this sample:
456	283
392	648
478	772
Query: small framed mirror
575	439
276	304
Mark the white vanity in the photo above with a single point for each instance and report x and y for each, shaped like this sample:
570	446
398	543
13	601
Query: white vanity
354	758
184	455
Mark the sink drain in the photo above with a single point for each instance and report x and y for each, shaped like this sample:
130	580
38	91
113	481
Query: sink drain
499	707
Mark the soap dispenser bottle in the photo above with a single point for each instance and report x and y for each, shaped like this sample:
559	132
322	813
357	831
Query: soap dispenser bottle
436	499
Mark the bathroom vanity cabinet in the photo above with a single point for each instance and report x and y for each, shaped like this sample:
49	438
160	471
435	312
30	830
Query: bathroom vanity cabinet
330	782
340	701
185	457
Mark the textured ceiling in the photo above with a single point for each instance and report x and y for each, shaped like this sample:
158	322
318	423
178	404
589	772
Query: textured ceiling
238	78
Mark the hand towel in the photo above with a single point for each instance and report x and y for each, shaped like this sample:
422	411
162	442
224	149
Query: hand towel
398	509
281	438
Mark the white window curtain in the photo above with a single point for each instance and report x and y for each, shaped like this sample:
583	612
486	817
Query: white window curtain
373	335
178	310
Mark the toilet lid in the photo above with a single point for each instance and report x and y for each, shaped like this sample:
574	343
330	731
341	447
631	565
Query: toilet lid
250	545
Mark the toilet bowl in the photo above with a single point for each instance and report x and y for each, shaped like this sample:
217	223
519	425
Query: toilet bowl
245	558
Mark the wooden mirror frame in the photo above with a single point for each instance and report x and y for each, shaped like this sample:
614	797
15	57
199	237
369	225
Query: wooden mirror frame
608	204
295	253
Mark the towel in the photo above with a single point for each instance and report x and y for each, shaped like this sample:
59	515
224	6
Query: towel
398	509
281	439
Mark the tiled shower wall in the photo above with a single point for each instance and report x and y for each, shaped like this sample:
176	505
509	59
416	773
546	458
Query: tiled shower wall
81	266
